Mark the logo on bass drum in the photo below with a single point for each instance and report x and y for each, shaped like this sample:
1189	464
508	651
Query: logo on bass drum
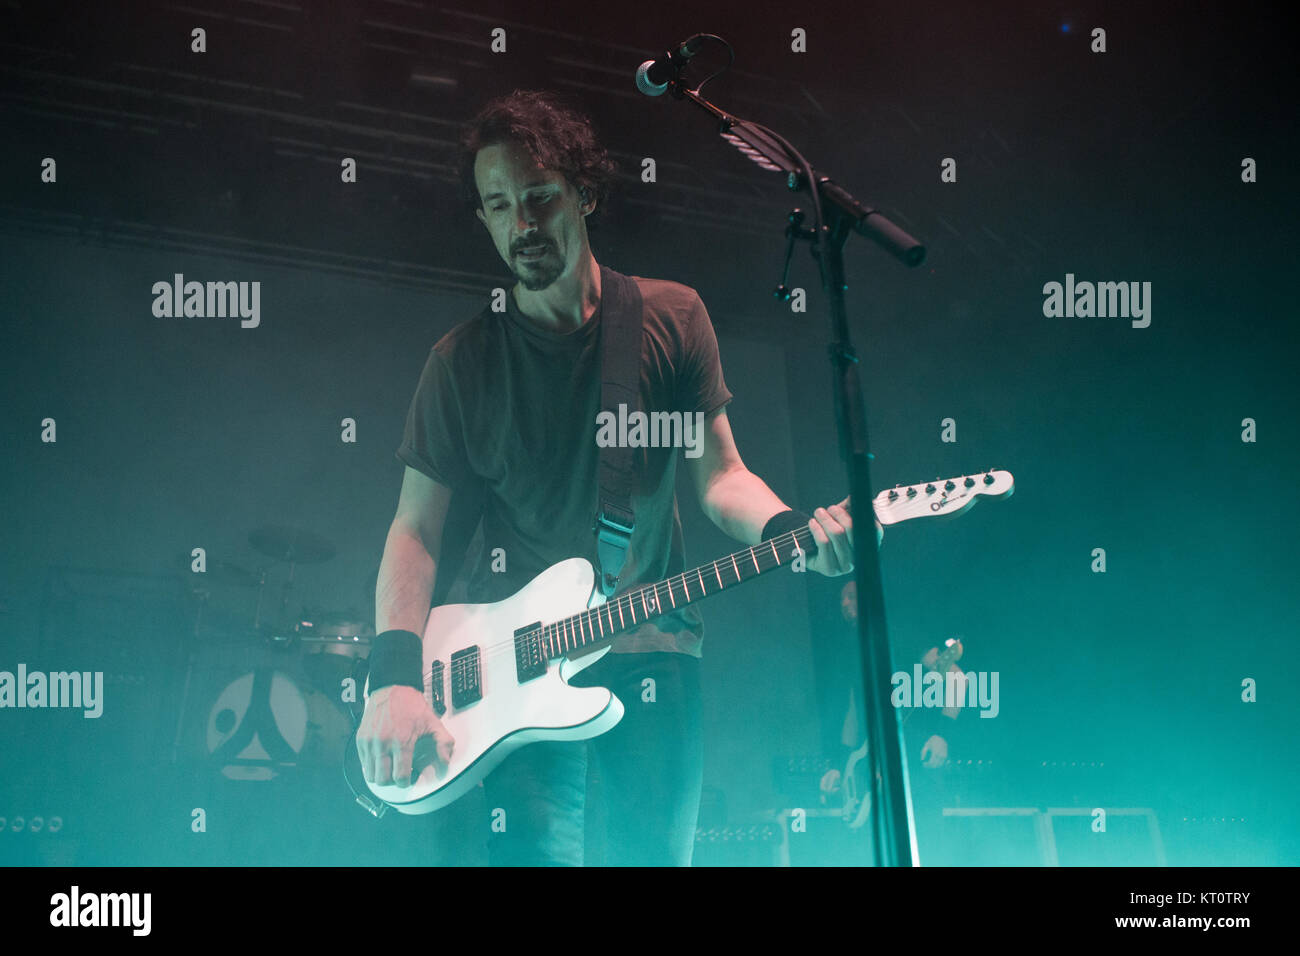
265	722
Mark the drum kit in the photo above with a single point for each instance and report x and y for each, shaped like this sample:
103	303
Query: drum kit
287	699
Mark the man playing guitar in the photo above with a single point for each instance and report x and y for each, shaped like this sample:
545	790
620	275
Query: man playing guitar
507	403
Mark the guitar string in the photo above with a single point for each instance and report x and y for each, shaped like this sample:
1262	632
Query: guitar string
628	600
552	632
765	560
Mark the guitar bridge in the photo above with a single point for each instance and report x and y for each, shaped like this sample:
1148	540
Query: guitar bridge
466	677
530	654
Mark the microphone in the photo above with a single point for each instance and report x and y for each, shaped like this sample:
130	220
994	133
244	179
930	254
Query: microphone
653	76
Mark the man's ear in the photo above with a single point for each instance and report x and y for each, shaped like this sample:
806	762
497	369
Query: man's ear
481	218
588	200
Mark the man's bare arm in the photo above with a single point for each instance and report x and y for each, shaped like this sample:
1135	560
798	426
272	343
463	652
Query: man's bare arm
735	499
740	503
408	570
397	716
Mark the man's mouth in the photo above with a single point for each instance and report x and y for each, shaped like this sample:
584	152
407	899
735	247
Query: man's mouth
531	252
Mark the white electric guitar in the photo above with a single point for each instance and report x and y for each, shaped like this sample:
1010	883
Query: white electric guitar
497	674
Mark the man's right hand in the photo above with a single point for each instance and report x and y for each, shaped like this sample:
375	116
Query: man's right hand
396	718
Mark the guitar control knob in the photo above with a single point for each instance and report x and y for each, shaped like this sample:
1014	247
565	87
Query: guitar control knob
929	489
968	482
949	486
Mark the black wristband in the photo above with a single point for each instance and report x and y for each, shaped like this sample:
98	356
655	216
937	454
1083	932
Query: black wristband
786	521
397	657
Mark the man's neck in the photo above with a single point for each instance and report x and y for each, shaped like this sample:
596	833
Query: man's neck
566	304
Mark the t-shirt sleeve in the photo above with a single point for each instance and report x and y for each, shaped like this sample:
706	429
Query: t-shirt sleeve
433	440
701	386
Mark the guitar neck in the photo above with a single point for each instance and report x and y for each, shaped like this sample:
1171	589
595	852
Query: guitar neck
631	608
634	607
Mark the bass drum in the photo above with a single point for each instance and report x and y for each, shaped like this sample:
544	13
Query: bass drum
330	647
264	723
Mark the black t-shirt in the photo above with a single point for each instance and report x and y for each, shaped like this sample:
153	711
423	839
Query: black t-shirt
509	408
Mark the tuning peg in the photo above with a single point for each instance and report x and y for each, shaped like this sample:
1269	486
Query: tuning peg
969	482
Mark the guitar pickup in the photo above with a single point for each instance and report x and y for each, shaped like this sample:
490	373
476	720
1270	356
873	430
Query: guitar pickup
436	695
530	655
466	677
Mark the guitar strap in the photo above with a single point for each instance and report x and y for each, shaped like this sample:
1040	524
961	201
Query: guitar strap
464	512
620	384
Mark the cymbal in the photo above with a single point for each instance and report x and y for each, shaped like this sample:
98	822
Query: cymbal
291	544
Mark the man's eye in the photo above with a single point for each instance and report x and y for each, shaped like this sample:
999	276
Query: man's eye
496	208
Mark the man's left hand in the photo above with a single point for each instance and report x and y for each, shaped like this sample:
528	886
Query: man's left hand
832	528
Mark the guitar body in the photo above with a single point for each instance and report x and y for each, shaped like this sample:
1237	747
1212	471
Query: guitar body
508	714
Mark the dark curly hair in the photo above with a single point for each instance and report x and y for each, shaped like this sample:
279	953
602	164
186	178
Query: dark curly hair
555	134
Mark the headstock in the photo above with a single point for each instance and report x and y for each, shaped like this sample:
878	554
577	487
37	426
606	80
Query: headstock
950	655
940	497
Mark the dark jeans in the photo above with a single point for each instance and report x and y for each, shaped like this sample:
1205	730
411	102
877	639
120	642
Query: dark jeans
644	774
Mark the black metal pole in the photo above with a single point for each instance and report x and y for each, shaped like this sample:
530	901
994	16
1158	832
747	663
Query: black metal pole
895	843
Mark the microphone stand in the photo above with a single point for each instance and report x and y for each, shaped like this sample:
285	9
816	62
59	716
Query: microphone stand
838	214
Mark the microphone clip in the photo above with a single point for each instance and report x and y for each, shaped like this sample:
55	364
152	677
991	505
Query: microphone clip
793	232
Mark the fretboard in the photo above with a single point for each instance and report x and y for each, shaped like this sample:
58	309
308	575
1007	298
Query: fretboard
631	608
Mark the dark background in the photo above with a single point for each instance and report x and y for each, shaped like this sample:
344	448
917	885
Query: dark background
1117	690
